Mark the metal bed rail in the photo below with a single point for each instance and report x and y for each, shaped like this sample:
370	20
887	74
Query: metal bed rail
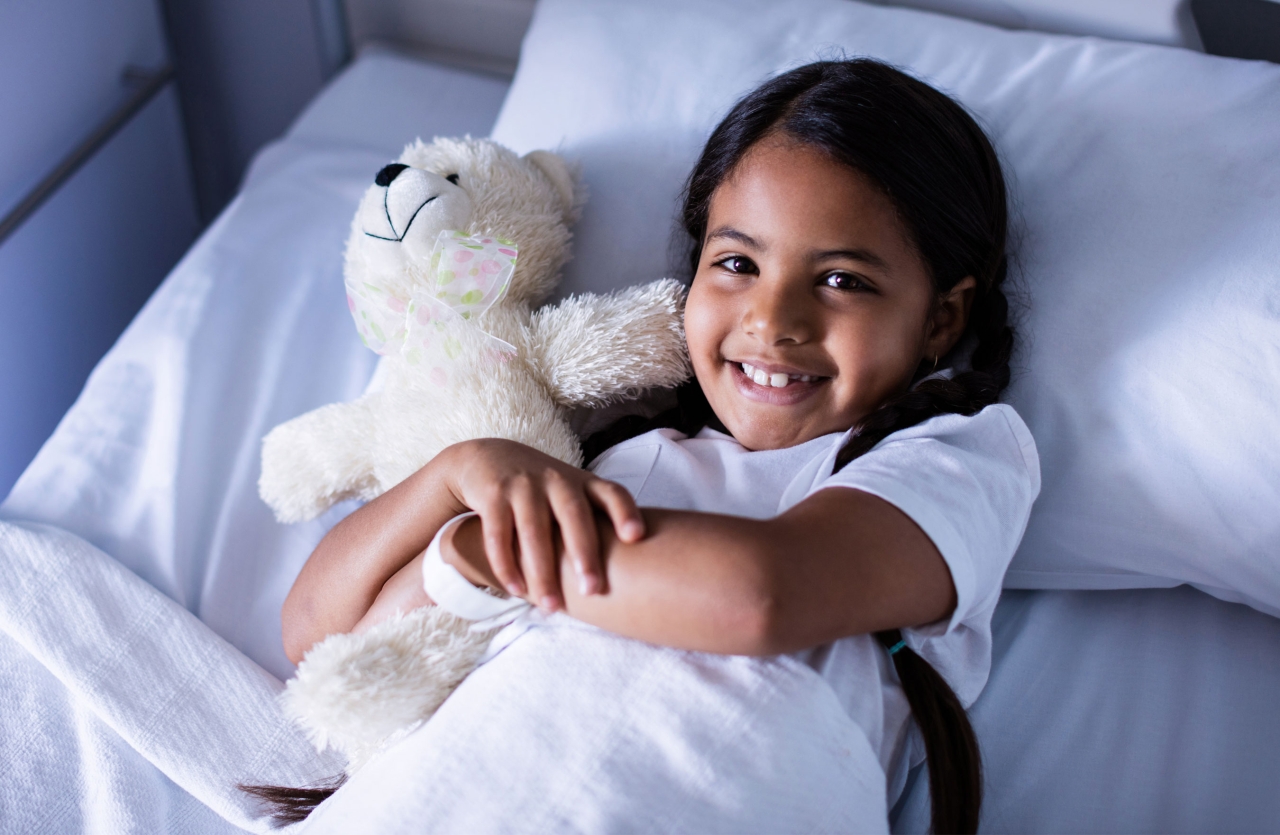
146	84
333	44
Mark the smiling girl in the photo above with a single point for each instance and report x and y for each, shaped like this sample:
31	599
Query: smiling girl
838	483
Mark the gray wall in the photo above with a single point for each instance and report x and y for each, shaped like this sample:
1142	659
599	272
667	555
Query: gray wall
483	34
487	33
74	275
245	69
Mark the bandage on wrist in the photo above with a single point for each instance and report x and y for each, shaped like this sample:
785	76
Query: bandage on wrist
454	593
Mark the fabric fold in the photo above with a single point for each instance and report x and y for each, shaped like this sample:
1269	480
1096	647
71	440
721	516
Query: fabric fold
190	703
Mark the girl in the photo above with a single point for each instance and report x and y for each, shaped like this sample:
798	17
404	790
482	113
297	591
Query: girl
849	339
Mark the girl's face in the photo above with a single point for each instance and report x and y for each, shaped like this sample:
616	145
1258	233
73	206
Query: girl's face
810	306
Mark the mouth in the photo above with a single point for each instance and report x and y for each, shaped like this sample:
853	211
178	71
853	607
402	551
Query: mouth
775	379
399	236
773	384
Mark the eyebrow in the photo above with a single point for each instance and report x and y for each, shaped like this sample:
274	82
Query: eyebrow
735	235
866	256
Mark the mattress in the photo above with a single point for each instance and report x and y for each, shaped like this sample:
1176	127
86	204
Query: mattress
1134	711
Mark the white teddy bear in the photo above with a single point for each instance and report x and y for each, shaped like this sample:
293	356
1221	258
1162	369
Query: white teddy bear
451	250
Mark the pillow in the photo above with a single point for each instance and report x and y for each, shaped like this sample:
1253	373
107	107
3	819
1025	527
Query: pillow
1145	182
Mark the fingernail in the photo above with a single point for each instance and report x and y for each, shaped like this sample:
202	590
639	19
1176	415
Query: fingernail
635	530
550	604
587	584
515	589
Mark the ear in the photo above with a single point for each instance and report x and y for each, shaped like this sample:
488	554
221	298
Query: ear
950	318
562	176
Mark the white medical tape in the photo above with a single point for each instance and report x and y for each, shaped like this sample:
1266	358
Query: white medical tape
454	593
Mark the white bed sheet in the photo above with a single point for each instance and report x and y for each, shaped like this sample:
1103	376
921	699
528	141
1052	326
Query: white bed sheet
1106	711
1147	710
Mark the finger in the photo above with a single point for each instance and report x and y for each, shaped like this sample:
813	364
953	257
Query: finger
537	554
614	499
497	523
577	521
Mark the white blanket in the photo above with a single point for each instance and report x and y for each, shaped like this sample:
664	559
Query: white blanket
571	729
139	675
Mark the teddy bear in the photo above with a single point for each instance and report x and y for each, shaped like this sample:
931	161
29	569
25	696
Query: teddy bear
451	252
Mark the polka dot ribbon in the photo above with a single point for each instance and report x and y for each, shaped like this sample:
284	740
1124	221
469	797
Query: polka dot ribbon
435	328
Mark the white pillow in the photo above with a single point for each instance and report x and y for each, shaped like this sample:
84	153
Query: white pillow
1147	182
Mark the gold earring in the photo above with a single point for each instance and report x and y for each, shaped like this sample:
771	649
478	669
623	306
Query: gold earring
935	362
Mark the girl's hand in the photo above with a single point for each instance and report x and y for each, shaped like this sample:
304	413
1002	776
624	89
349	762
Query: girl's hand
517	489
402	593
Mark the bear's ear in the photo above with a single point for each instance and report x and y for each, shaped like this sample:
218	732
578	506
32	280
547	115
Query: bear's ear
562	176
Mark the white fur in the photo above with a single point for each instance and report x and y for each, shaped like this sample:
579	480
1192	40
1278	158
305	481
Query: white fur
356	693
593	350
586	351
405	666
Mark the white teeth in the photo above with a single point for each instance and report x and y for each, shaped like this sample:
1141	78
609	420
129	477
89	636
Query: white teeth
762	378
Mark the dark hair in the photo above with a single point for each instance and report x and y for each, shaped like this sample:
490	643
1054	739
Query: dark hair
286	805
943	177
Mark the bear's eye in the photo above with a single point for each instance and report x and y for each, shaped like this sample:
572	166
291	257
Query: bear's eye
453	178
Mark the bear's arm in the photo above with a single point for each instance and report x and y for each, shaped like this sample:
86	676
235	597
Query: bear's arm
592	350
318	459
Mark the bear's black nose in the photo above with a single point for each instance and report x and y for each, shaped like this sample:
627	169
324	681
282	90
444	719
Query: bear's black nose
389	173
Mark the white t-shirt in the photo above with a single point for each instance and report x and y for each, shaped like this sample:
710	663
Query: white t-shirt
968	482
571	728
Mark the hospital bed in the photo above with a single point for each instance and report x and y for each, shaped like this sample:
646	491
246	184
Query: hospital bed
143	577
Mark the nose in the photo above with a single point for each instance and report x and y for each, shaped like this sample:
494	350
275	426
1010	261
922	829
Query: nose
388	173
776	316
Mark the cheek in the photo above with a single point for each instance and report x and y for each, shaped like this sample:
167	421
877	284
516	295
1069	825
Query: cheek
704	327
878	355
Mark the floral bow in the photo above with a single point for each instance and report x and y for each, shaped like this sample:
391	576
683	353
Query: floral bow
467	276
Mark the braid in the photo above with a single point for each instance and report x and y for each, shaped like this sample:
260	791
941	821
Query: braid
966	393
287	805
954	760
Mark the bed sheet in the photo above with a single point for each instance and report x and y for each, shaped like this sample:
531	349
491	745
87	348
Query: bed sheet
1147	710
1107	711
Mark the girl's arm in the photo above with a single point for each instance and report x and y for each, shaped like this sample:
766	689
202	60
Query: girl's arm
348	569
842	562
360	572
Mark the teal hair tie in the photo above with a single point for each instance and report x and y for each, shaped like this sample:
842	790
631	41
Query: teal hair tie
893	649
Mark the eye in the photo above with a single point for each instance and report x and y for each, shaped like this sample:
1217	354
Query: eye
737	264
453	178
845	281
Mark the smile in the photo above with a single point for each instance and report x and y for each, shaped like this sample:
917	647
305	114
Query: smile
399	236
775	387
776	380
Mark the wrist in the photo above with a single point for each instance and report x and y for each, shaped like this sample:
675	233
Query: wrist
462	547
457	593
438	478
